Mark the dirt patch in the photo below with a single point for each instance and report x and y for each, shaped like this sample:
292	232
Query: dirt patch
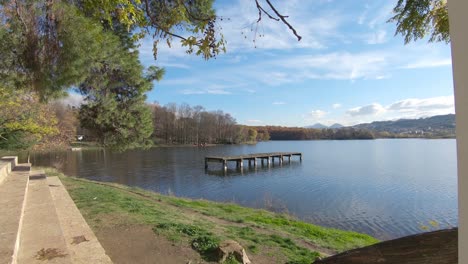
49	253
131	243
139	244
79	239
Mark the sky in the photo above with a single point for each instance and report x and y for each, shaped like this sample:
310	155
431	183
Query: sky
348	68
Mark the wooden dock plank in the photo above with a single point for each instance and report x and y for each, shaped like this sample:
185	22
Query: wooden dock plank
239	159
252	156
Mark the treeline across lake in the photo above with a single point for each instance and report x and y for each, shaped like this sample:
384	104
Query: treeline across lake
299	133
62	125
184	124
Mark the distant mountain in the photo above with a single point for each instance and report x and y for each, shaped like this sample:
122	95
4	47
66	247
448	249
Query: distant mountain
336	125
434	124
322	126
317	126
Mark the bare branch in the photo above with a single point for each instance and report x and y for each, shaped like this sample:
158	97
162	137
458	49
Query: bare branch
261	9
283	19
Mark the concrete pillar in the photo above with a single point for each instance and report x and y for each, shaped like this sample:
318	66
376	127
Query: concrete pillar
255	163
225	165
281	160
458	10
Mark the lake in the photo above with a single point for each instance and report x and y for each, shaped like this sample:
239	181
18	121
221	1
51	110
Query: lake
387	188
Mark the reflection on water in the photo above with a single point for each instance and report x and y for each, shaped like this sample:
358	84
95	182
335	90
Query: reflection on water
217	169
386	188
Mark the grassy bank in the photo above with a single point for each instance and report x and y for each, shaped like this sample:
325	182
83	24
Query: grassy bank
201	225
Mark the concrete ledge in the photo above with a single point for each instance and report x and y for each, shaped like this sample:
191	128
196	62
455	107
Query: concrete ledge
41	237
82	244
13	192
7	164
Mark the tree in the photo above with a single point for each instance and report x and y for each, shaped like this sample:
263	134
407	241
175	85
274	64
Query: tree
67	125
115	109
48	46
23	120
415	19
252	134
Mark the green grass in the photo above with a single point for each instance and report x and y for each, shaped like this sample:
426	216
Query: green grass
325	237
202	224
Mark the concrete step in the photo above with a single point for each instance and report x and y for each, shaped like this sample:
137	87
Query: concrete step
7	164
82	244
41	237
13	191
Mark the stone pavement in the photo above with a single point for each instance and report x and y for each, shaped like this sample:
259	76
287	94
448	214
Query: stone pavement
40	223
12	193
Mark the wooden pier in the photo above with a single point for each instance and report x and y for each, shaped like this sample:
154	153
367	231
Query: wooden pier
268	158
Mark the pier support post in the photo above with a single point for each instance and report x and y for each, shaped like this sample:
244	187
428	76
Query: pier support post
206	164
300	157
281	160
224	165
269	161
255	162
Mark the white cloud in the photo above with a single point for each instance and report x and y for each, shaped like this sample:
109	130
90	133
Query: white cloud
216	91
242	32
279	103
429	63
410	108
424	107
372	109
362	18
381	16
378	37
336	66
336	106
316	114
175	65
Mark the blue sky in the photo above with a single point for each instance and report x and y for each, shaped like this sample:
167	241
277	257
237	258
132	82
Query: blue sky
348	68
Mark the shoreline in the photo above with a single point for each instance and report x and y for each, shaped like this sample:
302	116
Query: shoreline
267	237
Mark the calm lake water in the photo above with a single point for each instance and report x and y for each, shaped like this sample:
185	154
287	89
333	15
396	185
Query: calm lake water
385	188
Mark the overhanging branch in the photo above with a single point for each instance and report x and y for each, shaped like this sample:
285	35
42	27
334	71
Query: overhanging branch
283	18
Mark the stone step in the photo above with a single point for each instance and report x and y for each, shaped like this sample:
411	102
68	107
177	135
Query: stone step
41	237
82	244
13	191
7	164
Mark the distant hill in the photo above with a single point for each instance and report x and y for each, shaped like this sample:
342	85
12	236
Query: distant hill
336	125
435	125
322	126
317	126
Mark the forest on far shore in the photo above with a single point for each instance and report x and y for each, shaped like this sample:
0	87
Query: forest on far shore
183	124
